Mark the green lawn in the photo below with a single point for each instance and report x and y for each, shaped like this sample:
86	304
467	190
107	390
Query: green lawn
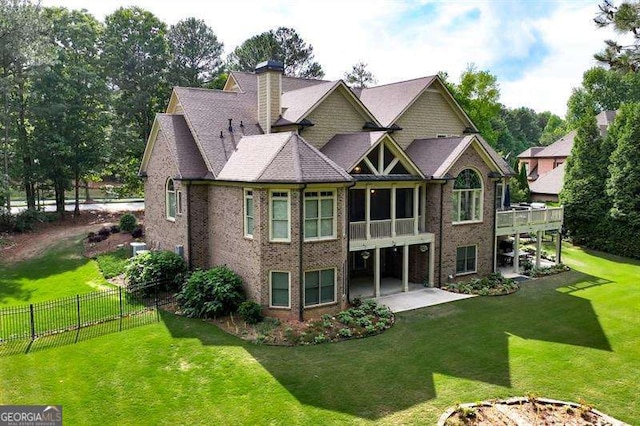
574	336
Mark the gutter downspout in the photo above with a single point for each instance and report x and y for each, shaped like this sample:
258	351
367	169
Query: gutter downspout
441	234
495	219
190	261
300	244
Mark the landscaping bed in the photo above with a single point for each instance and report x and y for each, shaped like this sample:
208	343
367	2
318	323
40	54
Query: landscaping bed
363	320
492	285
525	412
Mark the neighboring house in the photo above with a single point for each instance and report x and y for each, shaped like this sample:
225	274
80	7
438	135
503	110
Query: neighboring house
309	190
545	165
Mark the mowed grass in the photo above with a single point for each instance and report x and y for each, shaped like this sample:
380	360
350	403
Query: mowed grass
62	271
573	336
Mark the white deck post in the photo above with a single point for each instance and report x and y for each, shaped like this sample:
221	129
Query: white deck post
393	210
423	201
432	265
405	268
416	199
367	211
558	246
516	254
376	272
538	247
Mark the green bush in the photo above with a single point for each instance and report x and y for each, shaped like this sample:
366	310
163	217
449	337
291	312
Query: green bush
128	222
492	285
217	291
155	266
250	312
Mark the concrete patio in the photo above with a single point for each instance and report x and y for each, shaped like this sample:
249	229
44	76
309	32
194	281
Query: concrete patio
392	295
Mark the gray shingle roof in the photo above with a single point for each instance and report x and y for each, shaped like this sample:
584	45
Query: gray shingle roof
387	102
435	156
549	183
176	134
530	152
560	148
208	112
347	148
297	103
280	157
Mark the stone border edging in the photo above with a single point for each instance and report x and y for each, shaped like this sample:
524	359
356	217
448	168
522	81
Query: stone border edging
519	400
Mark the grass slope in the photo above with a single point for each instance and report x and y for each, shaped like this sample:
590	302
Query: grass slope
61	272
571	336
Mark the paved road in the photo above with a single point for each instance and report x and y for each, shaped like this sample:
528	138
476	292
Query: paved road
106	207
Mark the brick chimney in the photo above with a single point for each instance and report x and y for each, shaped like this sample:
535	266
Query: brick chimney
269	91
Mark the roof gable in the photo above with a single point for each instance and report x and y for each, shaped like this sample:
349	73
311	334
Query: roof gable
298	104
389	102
436	156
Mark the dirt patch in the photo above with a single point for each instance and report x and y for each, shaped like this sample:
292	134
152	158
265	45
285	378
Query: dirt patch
525	412
115	241
18	247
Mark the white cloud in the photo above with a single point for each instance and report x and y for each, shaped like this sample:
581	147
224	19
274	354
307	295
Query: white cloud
396	47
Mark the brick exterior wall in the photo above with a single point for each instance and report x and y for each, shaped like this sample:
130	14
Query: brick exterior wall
335	115
429	116
198	200
480	234
161	233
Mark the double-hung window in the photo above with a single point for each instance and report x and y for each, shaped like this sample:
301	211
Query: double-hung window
466	260
248	213
467	197
280	289
319	287
170	199
319	215
280	213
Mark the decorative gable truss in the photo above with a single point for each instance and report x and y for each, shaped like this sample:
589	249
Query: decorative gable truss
385	158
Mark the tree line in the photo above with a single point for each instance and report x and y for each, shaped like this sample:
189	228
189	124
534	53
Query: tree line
601	192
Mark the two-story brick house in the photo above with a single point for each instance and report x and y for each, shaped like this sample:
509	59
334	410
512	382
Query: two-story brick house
306	187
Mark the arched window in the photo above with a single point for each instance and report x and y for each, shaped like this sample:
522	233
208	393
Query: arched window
170	199
467	197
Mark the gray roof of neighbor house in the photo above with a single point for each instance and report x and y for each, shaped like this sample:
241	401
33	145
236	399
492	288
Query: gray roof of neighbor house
560	148
248	82
208	112
549	183
530	152
435	156
346	149
176	134
280	157
605	118
388	101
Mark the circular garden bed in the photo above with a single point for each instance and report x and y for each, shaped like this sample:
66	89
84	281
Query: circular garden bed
525	412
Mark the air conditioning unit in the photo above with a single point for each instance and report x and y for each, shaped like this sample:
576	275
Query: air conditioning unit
137	247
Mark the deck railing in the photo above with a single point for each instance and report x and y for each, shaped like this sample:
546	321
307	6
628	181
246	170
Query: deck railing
522	218
383	228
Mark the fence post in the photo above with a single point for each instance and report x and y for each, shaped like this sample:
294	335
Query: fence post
121	312
33	323
78	303
156	299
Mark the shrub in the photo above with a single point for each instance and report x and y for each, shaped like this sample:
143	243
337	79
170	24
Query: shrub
26	219
114	229
105	232
216	291
491	285
250	311
155	266
128	222
137	232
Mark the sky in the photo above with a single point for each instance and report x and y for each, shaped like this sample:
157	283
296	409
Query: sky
538	49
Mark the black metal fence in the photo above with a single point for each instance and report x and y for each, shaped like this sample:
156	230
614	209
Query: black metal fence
88	315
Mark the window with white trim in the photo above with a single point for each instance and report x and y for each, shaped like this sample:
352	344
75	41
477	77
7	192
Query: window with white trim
319	287
467	197
170	199
279	285
248	213
179	203
280	214
319	215
466	260
499	193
